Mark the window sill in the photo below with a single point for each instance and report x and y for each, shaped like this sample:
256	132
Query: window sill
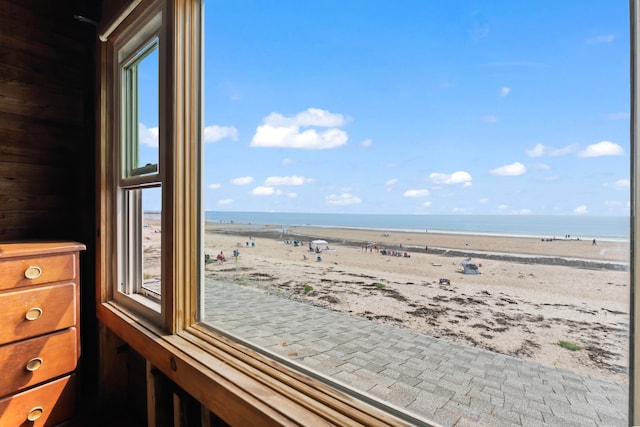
237	384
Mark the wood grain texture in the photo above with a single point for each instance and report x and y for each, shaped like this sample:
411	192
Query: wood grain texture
56	351
57	400
57	303
44	93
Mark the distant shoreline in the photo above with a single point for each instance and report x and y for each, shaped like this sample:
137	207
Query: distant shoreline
606	254
616	228
280	228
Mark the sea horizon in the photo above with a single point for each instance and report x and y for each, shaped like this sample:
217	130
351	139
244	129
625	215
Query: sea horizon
615	228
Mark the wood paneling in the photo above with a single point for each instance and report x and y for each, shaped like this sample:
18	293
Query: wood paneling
46	120
47	140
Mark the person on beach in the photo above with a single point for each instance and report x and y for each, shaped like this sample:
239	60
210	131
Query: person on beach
594	242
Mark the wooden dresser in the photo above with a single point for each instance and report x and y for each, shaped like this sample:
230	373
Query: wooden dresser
39	332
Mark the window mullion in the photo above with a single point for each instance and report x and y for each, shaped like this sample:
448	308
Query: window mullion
184	81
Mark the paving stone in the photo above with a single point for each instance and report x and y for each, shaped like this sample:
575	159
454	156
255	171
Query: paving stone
446	382
491	420
494	392
402	394
506	414
523	410
558	421
463	410
446	417
527	421
609	421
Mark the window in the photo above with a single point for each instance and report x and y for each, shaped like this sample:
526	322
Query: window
140	179
280	146
342	141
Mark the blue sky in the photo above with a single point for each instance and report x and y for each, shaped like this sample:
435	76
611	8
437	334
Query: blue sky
417	107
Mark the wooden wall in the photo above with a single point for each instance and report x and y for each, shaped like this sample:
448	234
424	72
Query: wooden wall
46	120
47	138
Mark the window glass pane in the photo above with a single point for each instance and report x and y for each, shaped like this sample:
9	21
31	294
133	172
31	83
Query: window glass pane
141	91
427	202
141	272
152	243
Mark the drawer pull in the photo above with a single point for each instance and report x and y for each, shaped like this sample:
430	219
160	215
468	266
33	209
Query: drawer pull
32	272
34	364
33	313
35	413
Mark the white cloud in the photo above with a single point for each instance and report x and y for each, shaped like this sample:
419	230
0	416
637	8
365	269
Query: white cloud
148	136
416	193
537	151
343	199
367	143
214	186
286	132
483	201
265	191
622	183
243	180
505	91
513	169
602	148
216	133
318	117
581	210
524	212
603	38
274	181
542	150
292	195
392	181
459	177
427	204
225	202
501	207
490	118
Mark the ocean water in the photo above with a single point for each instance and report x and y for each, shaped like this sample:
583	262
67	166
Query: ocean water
583	227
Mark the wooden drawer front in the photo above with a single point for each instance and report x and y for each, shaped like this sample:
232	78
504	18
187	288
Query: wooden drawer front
29	362
54	401
57	304
38	270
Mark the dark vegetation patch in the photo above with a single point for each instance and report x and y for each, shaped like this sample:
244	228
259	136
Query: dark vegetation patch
263	276
330	299
432	313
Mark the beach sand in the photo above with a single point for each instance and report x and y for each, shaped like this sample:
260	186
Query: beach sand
520	306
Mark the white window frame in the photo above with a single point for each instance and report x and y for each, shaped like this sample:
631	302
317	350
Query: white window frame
148	31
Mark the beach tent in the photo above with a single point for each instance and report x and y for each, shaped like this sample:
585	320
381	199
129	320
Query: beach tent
468	267
315	243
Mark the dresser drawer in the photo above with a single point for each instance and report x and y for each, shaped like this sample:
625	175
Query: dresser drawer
37	270
45	405
29	362
36	311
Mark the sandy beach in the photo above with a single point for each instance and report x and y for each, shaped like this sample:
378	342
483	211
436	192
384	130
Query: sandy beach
522	308
522	303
